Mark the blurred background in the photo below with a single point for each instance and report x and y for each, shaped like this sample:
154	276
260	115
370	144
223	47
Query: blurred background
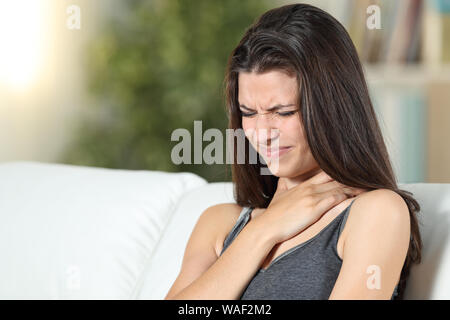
105	83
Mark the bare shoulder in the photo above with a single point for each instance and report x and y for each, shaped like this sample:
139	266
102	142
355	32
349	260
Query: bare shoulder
381	207
201	250
378	238
222	217
387	204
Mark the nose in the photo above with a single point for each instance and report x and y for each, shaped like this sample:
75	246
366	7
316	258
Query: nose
266	136
262	131
265	121
265	124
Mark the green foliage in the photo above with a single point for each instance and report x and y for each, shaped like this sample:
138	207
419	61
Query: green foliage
158	66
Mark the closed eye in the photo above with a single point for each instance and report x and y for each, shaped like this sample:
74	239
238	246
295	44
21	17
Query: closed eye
286	114
283	114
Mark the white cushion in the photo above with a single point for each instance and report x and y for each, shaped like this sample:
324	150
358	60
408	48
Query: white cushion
431	278
168	256
71	232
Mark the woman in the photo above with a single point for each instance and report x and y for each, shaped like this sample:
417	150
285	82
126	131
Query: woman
295	82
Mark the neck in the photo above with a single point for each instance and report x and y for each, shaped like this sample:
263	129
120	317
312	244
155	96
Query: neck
292	182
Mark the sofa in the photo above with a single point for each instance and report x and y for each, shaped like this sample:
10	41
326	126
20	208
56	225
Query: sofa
75	232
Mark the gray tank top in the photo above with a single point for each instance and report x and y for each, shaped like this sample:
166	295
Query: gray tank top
307	271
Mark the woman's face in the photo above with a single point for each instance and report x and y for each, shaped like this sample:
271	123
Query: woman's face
280	128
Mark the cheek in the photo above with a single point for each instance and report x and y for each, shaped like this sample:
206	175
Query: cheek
293	132
245	124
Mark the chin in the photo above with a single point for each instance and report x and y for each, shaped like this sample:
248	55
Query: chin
282	167
282	171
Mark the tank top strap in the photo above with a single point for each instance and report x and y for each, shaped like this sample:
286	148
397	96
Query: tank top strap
344	218
242	220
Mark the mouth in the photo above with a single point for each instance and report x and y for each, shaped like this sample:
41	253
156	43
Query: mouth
274	152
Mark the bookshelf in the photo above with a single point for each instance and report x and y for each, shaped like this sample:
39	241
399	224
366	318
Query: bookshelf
406	74
407	67
414	95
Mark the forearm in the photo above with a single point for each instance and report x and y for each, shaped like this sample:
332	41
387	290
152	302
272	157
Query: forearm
230	274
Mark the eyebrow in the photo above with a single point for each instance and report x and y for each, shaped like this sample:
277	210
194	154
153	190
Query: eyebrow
275	107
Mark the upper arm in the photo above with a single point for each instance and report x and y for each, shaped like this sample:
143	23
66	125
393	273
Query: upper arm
200	252
375	248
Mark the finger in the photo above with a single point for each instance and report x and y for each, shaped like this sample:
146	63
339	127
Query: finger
321	177
347	191
329	199
359	191
353	191
323	187
319	188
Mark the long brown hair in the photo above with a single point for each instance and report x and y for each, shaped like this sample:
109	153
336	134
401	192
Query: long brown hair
337	114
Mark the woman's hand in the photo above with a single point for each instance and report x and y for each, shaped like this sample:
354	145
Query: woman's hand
293	210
